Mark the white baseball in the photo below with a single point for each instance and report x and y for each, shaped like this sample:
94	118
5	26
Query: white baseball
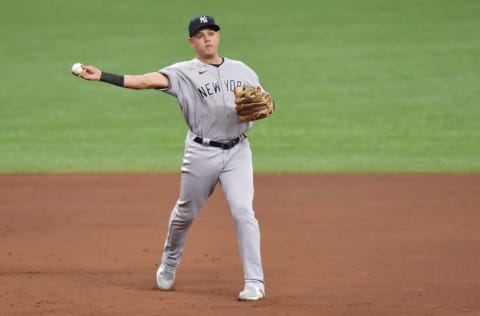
77	69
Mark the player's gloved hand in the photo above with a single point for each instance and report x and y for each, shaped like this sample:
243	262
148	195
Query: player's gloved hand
252	103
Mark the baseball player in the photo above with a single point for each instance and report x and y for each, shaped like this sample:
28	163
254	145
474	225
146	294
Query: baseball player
219	98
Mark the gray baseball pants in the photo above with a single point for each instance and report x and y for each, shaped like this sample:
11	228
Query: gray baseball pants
203	167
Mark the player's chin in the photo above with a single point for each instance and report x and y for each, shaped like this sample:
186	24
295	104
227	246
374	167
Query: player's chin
209	55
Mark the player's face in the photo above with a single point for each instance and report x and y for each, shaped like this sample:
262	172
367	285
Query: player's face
205	42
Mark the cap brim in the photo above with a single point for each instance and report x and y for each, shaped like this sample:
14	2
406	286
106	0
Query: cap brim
211	27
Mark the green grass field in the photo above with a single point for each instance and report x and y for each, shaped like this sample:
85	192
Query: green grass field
360	86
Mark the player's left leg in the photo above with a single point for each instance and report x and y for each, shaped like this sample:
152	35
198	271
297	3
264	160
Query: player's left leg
237	183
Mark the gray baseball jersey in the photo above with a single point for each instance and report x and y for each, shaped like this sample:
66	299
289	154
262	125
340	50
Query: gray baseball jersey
206	98
205	95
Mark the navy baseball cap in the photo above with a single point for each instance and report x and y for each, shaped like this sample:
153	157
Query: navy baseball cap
201	22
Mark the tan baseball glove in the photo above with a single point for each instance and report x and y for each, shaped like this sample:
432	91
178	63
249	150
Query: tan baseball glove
252	103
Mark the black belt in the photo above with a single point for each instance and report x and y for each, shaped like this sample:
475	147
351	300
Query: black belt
226	145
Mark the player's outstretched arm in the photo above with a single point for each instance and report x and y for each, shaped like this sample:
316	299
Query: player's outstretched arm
152	80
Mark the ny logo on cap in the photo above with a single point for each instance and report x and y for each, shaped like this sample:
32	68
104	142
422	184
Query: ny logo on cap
203	19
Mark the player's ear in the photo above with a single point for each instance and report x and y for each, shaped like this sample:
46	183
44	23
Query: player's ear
190	41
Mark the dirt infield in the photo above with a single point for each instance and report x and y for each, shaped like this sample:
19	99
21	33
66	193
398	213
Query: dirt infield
331	244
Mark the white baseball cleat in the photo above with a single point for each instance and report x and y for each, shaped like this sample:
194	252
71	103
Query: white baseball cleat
165	278
252	292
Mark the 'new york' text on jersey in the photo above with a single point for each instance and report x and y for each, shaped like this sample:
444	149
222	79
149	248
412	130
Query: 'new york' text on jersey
205	95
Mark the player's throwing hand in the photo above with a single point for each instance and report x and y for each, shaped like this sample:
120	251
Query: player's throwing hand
90	73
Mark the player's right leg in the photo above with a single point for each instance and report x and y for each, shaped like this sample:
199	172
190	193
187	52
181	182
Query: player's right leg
200	170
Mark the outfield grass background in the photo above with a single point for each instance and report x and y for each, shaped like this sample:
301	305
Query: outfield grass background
360	86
